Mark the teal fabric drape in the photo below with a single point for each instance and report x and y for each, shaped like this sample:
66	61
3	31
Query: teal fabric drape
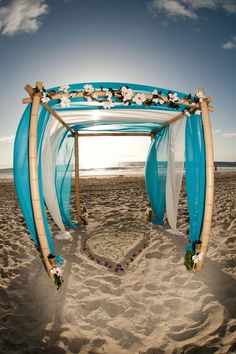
155	174
195	176
63	177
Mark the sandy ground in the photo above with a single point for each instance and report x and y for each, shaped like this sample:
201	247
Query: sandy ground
154	307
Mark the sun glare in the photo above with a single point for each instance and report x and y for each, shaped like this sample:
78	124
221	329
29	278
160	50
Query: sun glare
102	152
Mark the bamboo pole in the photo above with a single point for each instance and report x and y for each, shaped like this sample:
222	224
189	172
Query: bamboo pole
172	120
112	134
34	183
77	186
209	194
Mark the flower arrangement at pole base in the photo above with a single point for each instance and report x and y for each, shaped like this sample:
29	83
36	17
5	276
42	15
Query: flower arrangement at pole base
84	216
188	261
149	214
192	258
55	271
57	275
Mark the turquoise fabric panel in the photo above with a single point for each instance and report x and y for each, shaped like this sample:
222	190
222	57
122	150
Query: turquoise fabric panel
195	175
63	177
21	172
155	174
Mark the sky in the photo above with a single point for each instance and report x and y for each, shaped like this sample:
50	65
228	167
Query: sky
175	44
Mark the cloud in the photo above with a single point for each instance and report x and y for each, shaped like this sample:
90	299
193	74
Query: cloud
7	139
217	131
21	16
189	8
231	44
229	135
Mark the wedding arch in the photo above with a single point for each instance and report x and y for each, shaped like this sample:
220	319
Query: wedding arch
46	149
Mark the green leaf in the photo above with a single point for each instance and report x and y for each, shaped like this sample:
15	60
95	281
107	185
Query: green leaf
188	262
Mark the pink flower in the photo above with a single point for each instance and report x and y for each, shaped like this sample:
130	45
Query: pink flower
139	98
64	88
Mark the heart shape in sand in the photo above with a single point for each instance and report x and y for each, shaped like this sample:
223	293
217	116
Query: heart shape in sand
115	251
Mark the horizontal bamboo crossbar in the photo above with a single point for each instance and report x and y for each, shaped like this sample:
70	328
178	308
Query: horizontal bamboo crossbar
172	120
81	135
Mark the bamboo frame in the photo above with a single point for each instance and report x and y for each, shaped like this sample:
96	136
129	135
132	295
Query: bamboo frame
35	98
77	186
34	183
209	195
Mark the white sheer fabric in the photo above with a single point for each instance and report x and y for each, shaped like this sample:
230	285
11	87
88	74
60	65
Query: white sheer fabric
175	169
51	139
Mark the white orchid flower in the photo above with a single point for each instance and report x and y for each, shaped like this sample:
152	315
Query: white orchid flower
197	257
200	96
198	112
88	88
173	97
139	98
108	94
44	98
65	101
124	90
187	113
158	100
108	104
64	88
56	271
128	95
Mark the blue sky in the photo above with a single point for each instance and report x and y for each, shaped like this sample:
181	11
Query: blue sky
179	45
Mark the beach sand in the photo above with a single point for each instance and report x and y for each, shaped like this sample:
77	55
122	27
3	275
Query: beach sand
155	306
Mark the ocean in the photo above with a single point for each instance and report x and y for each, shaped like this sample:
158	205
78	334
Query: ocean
120	168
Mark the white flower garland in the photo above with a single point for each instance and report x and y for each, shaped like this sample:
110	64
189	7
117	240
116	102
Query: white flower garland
127	96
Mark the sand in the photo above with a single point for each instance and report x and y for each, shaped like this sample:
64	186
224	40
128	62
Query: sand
155	306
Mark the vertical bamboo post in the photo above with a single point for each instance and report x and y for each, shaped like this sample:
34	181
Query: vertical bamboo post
206	228
77	187
34	183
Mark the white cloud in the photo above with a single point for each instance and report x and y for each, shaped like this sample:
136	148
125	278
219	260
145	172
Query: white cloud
217	131
231	44
21	16
229	135
189	8
7	139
